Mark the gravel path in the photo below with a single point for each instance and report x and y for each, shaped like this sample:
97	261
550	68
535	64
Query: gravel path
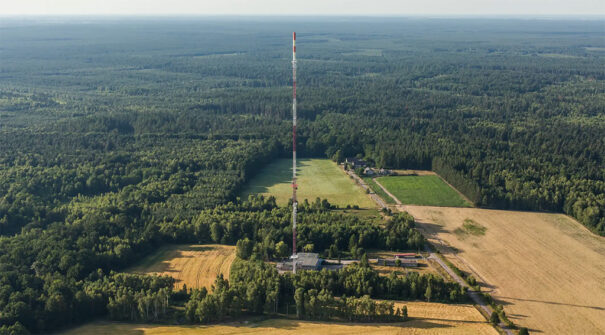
387	191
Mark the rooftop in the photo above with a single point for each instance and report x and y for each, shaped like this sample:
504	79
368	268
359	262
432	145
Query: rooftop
307	259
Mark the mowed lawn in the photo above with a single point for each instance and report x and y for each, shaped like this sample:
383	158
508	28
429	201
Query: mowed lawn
427	190
316	178
426	319
194	265
546	269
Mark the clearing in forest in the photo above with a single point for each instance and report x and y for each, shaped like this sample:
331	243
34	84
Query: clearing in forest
316	178
194	265
546	269
428	190
426	319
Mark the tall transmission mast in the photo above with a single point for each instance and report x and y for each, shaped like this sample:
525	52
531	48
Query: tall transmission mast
294	185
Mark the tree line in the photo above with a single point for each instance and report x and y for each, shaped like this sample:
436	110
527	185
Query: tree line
350	294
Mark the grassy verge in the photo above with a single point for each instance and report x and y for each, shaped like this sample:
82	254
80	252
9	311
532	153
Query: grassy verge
499	309
378	190
472	282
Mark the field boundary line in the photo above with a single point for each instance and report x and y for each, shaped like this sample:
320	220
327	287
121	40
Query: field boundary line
397	201
473	205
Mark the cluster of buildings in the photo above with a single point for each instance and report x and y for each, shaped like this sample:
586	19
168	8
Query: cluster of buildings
368	171
312	261
356	163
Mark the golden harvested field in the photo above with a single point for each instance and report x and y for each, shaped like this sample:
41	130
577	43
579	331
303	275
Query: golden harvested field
428	319
194	265
546	269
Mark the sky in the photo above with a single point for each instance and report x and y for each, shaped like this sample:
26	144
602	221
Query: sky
302	7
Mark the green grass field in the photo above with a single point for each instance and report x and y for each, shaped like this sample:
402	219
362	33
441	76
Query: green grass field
423	190
316	178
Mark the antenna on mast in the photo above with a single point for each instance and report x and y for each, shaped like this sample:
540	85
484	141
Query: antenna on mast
294	186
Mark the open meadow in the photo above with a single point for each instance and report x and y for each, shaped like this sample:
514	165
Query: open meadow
546	269
316	178
427	189
426	319
194	265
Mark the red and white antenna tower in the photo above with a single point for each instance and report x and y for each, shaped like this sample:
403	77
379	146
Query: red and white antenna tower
294	186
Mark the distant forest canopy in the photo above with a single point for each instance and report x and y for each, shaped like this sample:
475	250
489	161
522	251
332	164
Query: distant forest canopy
511	112
119	135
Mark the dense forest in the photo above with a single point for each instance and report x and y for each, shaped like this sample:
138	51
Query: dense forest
509	111
119	135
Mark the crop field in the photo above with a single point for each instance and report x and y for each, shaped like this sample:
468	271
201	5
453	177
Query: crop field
316	178
546	269
194	265
428	190
427	319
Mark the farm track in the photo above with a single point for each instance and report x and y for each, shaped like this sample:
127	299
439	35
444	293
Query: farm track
387	191
475	296
378	200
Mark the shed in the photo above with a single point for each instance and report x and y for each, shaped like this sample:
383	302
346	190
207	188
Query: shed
407	255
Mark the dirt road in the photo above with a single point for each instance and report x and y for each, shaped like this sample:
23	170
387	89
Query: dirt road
366	188
475	296
387	191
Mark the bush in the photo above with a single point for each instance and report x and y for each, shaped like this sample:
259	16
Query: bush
494	318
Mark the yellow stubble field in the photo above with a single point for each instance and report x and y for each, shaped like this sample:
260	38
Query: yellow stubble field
546	269
427	319
194	265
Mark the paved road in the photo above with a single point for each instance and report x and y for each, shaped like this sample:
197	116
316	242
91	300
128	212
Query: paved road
387	192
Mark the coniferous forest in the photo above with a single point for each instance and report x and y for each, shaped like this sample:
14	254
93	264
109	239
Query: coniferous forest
120	135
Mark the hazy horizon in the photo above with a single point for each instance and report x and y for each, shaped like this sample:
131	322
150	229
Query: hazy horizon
310	8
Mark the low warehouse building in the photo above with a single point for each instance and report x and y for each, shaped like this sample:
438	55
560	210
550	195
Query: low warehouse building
305	261
408	263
